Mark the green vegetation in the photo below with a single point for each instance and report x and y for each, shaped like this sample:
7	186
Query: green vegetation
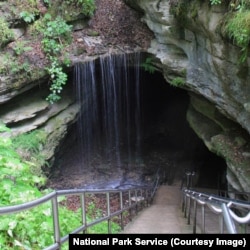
58	79
235	25
47	2
52	28
238	29
27	16
29	146
11	66
6	35
148	65
88	6
56	35
18	182
177	82
32	229
213	2
20	48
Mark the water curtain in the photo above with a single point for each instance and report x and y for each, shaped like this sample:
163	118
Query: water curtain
109	91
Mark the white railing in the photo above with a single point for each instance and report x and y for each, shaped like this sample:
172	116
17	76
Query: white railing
233	214
131	200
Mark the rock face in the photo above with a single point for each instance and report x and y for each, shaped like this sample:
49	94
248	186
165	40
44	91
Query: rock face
190	46
190	50
24	78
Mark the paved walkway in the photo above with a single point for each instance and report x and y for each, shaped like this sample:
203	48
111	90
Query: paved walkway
163	216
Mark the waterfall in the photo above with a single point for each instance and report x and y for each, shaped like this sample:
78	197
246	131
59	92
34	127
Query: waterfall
108	91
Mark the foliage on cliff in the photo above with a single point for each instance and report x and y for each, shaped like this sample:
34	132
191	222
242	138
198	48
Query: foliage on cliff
237	26
236	23
45	29
25	25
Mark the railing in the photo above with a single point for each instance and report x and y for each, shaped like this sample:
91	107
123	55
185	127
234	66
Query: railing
131	200
233	214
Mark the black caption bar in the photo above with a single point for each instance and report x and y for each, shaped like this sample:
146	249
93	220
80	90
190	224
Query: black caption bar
80	241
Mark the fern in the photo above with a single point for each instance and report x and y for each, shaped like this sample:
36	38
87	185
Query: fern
148	66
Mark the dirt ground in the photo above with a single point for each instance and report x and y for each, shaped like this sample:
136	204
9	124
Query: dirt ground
69	171
114	24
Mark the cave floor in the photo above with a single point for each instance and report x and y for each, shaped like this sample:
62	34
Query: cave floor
100	175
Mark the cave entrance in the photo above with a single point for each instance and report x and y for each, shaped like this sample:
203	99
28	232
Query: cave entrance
125	131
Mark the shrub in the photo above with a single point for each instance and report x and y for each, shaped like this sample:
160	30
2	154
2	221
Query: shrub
177	82
30	229
27	16
6	34
88	6
238	29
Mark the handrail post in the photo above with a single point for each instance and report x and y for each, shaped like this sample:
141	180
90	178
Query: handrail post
183	202
189	211
203	219
140	204
56	221
188	180
129	204
108	211
195	213
228	219
143	200
121	208
136	202
221	221
243	228
146	197
83	210
187	207
150	195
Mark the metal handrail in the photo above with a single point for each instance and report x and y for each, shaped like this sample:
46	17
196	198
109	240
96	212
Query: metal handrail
137	198
226	208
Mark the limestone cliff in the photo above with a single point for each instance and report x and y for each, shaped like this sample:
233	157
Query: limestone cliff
25	81
190	45
190	49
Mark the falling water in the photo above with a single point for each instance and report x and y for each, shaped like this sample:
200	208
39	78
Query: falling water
109	124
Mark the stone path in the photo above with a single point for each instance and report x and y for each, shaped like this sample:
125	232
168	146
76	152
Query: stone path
163	216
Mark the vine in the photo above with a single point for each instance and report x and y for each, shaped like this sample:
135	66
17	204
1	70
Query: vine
56	35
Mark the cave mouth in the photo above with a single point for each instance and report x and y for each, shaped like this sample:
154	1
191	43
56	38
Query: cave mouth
165	138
